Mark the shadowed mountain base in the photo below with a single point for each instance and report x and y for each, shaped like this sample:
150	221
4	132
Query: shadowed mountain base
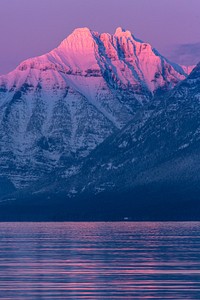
147	203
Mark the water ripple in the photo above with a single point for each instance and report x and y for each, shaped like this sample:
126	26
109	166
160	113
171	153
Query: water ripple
99	261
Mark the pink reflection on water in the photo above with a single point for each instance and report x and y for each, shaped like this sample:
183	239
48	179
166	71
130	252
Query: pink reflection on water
99	261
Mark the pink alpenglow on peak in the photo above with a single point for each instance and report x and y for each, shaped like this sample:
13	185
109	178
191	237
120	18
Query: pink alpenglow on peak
79	39
117	60
122	32
77	51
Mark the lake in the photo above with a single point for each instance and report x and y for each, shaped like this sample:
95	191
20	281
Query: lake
142	260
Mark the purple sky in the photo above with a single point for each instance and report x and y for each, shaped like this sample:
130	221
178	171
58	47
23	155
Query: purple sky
32	27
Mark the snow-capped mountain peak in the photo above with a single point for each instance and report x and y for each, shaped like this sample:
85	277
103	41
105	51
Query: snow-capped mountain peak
126	59
80	40
56	108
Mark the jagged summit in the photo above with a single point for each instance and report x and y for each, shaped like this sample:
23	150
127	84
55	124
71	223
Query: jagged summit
123	32
119	30
126	61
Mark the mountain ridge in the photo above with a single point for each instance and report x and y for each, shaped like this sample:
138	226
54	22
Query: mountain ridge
55	109
149	170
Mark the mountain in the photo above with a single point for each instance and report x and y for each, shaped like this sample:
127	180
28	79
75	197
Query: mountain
55	109
151	168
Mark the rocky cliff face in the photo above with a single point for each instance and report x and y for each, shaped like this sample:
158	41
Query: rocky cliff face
56	108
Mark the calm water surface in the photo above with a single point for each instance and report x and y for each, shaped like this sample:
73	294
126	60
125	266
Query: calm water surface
99	261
